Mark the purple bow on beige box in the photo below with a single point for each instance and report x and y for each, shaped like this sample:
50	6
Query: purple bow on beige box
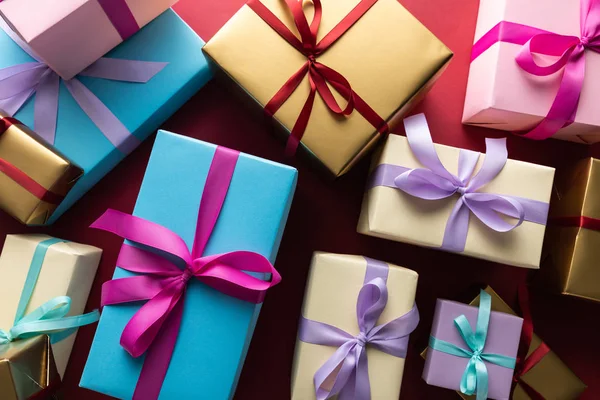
20	82
499	212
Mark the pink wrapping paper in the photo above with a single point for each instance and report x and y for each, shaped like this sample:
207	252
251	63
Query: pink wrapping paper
69	35
501	95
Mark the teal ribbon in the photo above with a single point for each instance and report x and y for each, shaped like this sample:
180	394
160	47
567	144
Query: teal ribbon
475	378
51	317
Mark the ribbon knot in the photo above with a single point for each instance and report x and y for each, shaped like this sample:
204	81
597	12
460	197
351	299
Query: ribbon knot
348	367
5	337
320	77
569	54
475	378
435	182
164	265
362	340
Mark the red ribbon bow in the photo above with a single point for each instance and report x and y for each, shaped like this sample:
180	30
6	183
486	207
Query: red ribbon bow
320	76
526	363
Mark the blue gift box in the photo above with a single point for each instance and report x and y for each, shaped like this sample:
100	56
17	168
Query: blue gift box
141	107
216	329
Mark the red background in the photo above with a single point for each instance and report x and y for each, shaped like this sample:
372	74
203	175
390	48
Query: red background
324	217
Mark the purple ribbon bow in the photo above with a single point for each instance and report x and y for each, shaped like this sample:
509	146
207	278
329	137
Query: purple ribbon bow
19	82
348	367
434	182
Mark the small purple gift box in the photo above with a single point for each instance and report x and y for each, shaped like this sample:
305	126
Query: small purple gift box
446	367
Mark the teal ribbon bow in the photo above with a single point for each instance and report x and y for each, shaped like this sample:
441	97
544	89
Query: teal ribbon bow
475	378
50	318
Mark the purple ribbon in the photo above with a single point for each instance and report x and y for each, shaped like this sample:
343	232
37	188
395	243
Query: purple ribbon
121	17
348	366
434	182
19	82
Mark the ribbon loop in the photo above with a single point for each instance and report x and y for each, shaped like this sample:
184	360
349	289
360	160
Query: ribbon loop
348	366
475	377
570	51
167	265
51	317
320	77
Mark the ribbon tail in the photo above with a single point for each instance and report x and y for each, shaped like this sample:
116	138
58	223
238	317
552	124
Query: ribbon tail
482	380
158	357
110	126
116	69
46	106
457	227
302	122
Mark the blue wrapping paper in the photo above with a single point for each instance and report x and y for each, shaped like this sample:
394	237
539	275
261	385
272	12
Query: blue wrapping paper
216	329
142	108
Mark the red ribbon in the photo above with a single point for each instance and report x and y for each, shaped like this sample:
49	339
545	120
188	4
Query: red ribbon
21	177
577	222
319	75
525	363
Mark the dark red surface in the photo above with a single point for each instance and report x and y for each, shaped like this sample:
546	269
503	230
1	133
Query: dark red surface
324	217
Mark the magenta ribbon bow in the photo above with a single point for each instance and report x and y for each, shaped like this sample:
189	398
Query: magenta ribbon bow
348	366
570	51
20	82
434	182
154	327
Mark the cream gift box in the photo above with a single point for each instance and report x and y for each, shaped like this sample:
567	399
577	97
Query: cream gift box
334	284
501	95
69	35
68	269
393	214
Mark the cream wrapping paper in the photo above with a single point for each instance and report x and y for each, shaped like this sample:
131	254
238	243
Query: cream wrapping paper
68	270
392	214
388	56
333	285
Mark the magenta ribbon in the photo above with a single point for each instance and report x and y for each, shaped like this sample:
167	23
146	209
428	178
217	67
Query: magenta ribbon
570	51
434	182
348	366
121	17
154	328
20	82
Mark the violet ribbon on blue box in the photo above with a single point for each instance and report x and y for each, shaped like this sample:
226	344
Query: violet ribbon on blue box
167	42
20	82
435	182
475	378
349	365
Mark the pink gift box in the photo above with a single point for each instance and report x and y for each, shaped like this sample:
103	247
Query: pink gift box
69	35
503	96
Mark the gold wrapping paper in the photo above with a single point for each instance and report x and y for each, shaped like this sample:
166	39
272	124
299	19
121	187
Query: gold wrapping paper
550	377
392	214
21	148
68	270
388	56
331	294
572	253
27	368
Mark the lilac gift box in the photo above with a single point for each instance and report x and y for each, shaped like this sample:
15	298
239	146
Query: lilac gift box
446	370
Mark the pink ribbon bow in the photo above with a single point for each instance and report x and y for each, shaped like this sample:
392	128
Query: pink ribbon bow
570	51
154	328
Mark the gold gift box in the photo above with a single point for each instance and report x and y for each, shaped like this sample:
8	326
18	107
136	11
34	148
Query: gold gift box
392	214
20	147
550	377
572	253
331	294
388	56
27	369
